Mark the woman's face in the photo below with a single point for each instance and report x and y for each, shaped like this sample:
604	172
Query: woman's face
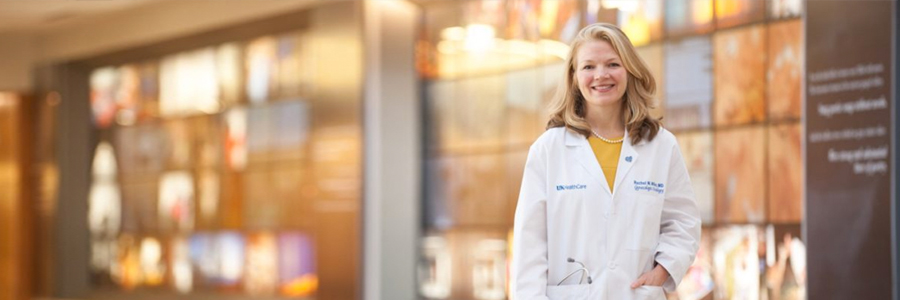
601	76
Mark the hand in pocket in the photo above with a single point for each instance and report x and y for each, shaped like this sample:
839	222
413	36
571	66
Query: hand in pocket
655	277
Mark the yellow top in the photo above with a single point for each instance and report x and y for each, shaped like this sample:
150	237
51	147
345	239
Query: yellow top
608	156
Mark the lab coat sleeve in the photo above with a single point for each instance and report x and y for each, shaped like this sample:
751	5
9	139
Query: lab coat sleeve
680	225
529	265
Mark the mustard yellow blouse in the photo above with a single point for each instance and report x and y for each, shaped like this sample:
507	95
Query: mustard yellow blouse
608	156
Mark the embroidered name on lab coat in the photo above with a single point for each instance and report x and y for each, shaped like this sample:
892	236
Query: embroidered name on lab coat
649	186
570	187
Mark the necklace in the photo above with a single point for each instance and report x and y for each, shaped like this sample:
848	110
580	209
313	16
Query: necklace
606	139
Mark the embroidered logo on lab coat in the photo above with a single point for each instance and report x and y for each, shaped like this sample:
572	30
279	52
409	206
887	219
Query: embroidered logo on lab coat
649	186
570	187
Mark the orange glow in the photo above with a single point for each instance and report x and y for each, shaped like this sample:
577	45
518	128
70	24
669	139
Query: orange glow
640	20
549	12
729	8
702	11
128	270
301	287
638	30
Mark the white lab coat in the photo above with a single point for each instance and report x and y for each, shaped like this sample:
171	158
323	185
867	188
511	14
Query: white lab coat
566	210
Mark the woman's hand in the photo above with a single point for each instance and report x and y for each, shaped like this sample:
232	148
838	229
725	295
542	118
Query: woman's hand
655	277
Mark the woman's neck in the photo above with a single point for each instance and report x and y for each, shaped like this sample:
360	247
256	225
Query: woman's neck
606	121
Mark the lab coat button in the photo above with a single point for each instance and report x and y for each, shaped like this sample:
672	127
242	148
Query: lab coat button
612	266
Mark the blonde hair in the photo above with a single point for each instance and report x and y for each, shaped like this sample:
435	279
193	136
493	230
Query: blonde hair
567	107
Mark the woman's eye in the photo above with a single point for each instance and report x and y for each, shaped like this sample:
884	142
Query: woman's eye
614	65
587	67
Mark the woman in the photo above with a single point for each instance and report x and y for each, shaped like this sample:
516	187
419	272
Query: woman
606	209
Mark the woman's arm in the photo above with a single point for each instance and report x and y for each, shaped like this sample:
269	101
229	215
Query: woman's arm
529	266
680	225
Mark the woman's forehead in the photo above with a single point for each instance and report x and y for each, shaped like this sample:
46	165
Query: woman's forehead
596	50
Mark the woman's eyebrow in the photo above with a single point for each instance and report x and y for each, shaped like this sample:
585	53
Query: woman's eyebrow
612	59
592	61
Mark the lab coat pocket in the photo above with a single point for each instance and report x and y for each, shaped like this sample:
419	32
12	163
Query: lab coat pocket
647	212
568	292
649	292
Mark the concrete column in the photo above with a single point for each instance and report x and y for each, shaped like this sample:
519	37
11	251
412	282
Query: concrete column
393	150
74	139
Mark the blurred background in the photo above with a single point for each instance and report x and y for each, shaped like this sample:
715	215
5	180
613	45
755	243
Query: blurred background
312	149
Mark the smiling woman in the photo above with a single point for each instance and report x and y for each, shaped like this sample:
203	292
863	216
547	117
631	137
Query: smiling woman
603	50
682	43
631	179
601	78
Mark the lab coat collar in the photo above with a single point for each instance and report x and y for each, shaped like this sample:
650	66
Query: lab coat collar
627	158
585	156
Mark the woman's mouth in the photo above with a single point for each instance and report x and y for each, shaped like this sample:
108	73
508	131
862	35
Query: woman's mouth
603	88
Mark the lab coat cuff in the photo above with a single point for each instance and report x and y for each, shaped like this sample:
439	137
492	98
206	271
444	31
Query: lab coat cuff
676	271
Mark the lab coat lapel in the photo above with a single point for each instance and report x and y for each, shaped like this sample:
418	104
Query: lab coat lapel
627	158
577	146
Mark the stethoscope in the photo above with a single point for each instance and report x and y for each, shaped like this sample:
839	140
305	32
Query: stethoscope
584	272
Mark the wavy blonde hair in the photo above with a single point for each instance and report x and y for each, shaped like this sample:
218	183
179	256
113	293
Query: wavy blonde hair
567	107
